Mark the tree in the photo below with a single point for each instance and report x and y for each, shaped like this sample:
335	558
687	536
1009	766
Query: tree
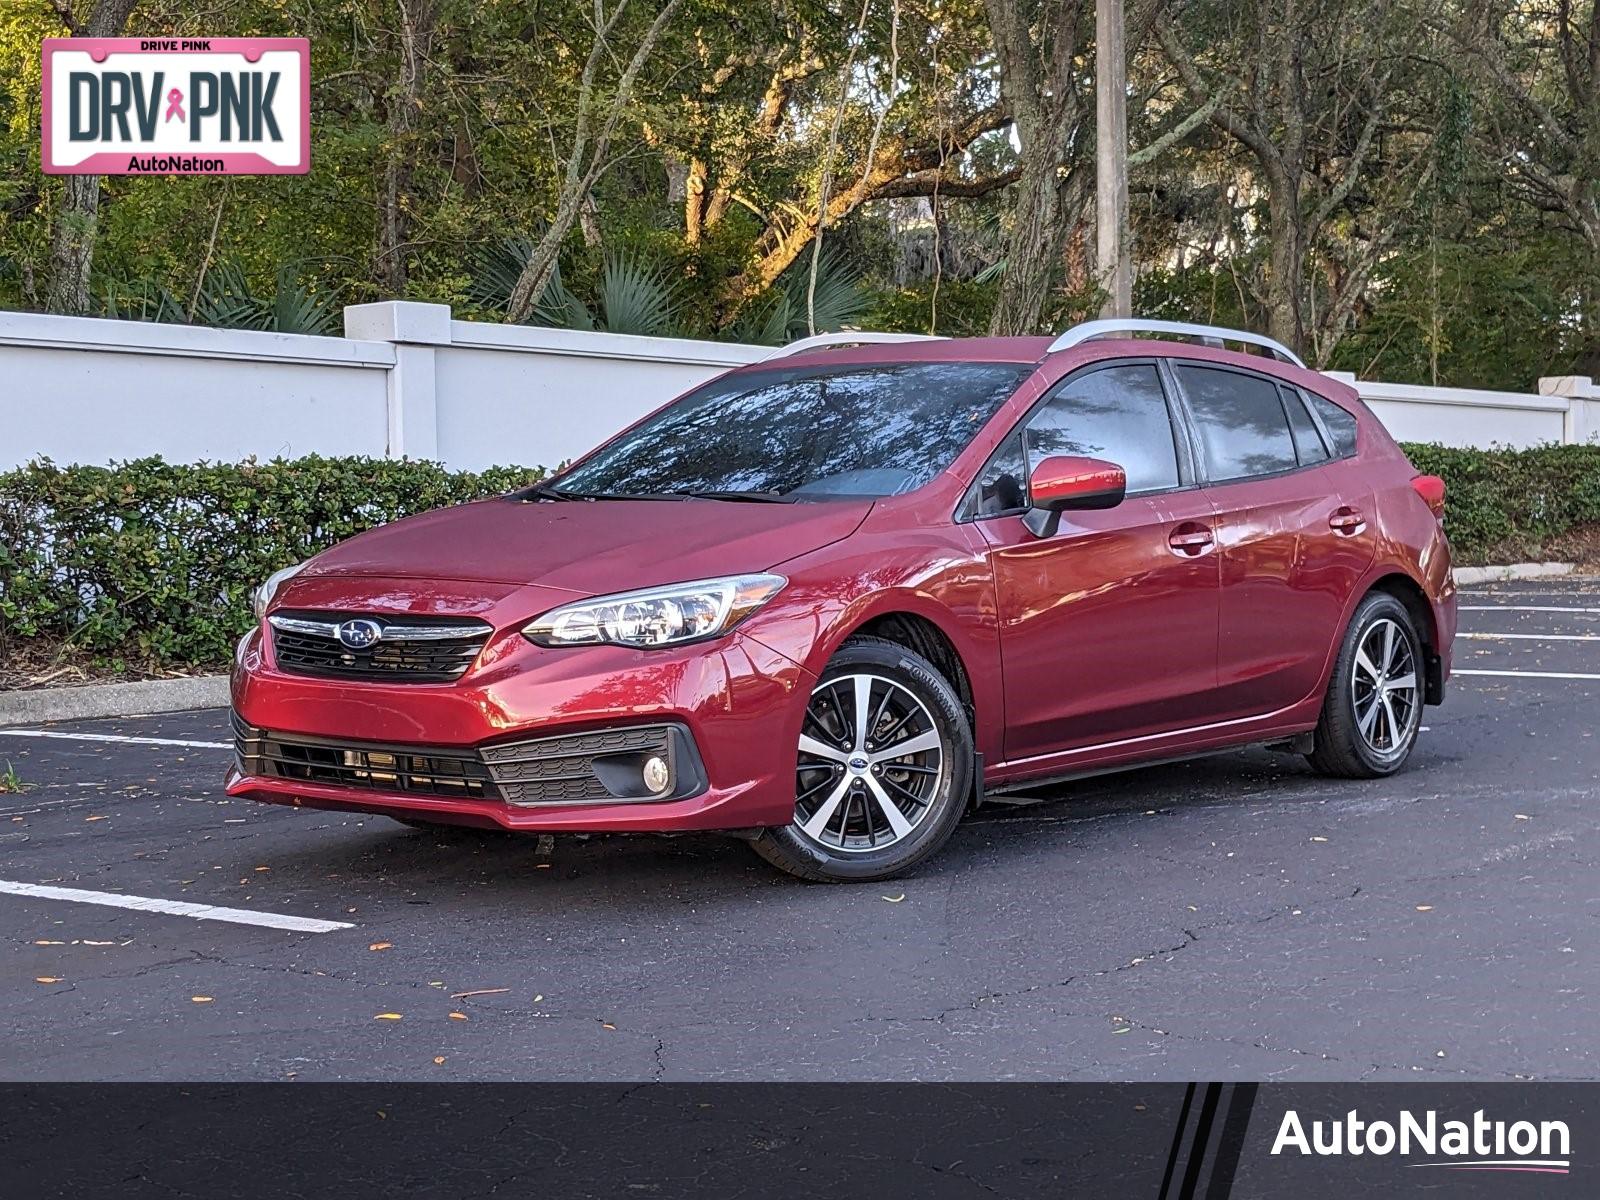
78	215
598	118
1325	98
1538	65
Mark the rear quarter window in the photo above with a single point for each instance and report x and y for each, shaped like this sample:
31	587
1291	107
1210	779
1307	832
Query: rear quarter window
1341	426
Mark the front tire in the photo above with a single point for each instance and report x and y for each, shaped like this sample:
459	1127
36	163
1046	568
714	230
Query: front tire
883	769
1373	709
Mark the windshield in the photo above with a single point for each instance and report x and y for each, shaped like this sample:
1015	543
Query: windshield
875	430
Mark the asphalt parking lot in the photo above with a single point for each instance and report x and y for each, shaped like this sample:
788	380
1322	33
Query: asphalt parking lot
1232	918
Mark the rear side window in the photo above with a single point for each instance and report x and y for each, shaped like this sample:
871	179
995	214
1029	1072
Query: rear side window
1118	414
1242	426
1341	426
1308	445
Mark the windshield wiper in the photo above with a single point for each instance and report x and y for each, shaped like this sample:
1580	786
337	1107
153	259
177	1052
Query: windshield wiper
542	491
749	497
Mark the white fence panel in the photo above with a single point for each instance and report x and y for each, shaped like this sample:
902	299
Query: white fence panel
1462	416
80	390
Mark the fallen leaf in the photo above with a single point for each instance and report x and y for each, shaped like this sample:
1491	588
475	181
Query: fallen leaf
380	945
895	899
95	818
538	998
457	1016
606	1025
479	992
200	999
439	1061
1424	908
263	868
388	1017
47	979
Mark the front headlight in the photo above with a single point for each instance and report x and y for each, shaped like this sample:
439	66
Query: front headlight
661	616
264	593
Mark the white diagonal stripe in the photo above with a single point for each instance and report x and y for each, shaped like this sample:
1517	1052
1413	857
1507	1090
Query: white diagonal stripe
114	737
175	908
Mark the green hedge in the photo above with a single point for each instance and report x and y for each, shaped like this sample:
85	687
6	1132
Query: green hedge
149	563
1508	505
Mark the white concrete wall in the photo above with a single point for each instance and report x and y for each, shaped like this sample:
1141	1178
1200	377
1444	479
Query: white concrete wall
407	379
1463	416
78	390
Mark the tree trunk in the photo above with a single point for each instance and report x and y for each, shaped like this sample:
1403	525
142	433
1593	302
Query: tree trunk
1031	250
77	219
1286	265
418	19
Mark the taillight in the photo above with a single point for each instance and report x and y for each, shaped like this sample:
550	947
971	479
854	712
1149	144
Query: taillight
1431	489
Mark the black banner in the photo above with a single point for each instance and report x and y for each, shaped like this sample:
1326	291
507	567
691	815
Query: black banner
1163	1141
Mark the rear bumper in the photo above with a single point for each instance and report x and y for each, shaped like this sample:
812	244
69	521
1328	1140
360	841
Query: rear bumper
737	704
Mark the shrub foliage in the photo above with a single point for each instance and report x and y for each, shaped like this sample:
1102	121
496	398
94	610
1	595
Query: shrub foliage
153	563
149	563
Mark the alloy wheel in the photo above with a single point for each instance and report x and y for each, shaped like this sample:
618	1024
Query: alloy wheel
1384	688
870	764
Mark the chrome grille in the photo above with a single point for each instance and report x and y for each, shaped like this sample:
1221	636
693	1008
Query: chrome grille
405	649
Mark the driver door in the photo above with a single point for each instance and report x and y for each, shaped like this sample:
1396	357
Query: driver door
1108	629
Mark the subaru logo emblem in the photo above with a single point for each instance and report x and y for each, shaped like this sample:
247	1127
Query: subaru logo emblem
858	764
360	633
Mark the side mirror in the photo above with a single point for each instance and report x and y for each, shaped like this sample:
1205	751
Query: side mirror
1064	482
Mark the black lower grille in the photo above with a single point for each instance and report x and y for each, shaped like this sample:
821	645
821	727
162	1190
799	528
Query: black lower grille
426	772
580	768
403	649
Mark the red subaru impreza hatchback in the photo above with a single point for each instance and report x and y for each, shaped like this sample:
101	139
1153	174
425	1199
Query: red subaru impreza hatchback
827	601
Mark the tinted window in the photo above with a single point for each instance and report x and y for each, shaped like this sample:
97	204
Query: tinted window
1308	445
1243	430
1118	414
864	431
1341	426
1003	485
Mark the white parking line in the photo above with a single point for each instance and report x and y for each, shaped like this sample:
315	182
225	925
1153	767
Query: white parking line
114	737
1523	608
1529	674
176	908
1532	637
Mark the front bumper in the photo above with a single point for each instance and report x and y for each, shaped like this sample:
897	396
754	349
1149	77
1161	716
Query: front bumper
732	707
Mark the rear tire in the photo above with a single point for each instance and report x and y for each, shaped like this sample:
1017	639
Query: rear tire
883	771
1373	708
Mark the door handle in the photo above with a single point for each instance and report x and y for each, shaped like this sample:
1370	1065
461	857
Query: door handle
1347	521
1191	540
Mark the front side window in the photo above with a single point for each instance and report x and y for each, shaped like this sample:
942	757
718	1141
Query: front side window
1241	422
1118	414
804	432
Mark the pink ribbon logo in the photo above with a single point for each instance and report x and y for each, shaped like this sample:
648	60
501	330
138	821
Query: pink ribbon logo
175	105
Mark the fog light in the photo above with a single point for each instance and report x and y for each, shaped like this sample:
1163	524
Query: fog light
657	775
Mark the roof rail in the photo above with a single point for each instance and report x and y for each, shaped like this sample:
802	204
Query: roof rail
847	337
1211	335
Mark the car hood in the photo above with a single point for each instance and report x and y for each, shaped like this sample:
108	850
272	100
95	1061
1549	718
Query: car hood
591	547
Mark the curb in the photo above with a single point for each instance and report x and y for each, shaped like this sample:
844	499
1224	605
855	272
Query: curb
113	699
1465	575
